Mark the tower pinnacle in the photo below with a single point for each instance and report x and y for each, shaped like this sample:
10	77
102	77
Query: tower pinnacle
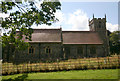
105	16
93	16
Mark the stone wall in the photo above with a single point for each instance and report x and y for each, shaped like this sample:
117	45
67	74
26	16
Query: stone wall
40	53
71	51
57	52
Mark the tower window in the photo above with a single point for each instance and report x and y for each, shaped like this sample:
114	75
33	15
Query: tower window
99	25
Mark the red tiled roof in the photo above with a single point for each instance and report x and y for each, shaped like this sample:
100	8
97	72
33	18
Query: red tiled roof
69	37
45	35
81	37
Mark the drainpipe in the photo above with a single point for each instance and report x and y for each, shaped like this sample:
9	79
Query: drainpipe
86	50
39	50
62	53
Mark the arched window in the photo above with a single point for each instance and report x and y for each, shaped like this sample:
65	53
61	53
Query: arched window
47	50
31	50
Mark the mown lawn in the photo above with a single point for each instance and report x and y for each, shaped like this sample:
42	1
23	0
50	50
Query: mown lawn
73	74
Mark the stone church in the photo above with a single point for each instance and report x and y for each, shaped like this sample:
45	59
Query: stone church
55	44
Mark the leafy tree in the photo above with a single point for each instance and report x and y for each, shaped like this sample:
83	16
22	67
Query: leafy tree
24	15
115	42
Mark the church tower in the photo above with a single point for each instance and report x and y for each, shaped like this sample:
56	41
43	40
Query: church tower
99	25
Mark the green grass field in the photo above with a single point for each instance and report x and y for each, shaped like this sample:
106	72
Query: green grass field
73	74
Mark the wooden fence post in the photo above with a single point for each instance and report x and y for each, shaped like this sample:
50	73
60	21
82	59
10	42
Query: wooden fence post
80	64
104	62
98	63
17	68
27	67
89	64
58	68
108	62
118	61
39	66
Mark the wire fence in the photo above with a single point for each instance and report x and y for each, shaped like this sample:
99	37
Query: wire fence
71	64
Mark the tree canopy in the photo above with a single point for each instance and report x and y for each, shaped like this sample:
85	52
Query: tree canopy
22	15
115	42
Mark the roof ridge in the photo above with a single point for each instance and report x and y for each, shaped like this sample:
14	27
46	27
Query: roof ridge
78	31
46	28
